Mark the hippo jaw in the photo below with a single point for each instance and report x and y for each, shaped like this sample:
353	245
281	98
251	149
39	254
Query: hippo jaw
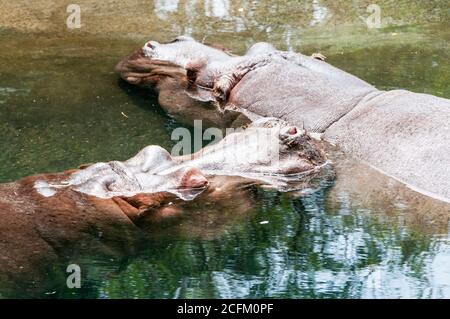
140	70
142	206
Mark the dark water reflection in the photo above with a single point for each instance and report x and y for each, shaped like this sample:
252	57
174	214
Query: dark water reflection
61	105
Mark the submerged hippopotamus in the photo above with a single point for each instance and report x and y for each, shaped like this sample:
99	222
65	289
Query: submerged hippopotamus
105	208
48	218
404	135
269	150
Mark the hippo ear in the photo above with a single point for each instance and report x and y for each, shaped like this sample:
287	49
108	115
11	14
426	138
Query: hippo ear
195	88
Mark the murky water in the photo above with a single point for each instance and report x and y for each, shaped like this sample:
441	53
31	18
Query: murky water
61	106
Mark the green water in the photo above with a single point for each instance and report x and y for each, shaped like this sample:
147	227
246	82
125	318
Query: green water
61	105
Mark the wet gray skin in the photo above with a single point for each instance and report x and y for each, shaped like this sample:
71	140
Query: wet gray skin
269	150
145	173
400	133
284	157
130	200
162	67
329	244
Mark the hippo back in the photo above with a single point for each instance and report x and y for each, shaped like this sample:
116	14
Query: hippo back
304	95
403	134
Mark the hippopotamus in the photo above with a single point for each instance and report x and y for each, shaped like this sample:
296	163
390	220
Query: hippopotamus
402	134
269	150
106	208
45	218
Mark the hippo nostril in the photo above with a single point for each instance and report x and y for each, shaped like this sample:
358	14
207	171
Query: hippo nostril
292	131
149	45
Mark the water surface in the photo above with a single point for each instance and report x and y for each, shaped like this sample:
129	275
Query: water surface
61	106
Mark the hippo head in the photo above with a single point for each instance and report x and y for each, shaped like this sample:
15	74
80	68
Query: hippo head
171	69
156	63
183	50
148	181
151	171
270	150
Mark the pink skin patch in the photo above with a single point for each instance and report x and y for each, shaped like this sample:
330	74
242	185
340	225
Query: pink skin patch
292	131
194	179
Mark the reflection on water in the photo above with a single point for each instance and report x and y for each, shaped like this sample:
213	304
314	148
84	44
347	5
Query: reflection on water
217	8
319	13
305	251
364	236
165	7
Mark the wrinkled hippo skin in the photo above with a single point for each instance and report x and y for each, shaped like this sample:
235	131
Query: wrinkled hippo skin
403	134
36	231
110	209
277	154
39	231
